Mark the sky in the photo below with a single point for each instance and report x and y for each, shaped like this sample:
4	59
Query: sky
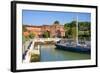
34	17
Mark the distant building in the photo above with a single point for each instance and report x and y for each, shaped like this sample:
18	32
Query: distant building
54	30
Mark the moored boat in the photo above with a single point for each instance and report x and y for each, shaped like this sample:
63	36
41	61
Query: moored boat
71	46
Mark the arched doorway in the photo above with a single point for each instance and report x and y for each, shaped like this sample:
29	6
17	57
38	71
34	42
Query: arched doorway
58	33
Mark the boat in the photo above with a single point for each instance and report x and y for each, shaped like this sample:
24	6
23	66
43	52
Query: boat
74	48
70	45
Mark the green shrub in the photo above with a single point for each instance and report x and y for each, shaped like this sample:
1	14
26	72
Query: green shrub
35	58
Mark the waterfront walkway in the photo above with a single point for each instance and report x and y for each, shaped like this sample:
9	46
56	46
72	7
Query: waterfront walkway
32	49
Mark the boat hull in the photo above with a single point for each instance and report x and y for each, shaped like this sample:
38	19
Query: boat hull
74	49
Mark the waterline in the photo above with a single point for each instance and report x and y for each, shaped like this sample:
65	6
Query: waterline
49	53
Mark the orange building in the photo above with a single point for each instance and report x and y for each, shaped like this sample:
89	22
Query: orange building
54	30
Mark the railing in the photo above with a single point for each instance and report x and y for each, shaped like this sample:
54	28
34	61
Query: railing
31	50
46	39
28	53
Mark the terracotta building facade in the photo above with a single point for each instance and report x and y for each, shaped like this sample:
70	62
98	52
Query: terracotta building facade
54	30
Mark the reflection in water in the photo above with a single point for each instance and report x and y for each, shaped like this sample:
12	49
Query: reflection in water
49	53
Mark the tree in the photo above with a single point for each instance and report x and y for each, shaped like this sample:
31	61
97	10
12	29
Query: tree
84	30
73	24
74	33
46	34
84	26
24	28
31	35
66	26
70	29
25	38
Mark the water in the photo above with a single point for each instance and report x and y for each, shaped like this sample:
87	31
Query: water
49	53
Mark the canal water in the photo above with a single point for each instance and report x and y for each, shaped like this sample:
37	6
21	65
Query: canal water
49	53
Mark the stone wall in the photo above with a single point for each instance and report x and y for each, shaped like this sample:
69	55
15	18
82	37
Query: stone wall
55	30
